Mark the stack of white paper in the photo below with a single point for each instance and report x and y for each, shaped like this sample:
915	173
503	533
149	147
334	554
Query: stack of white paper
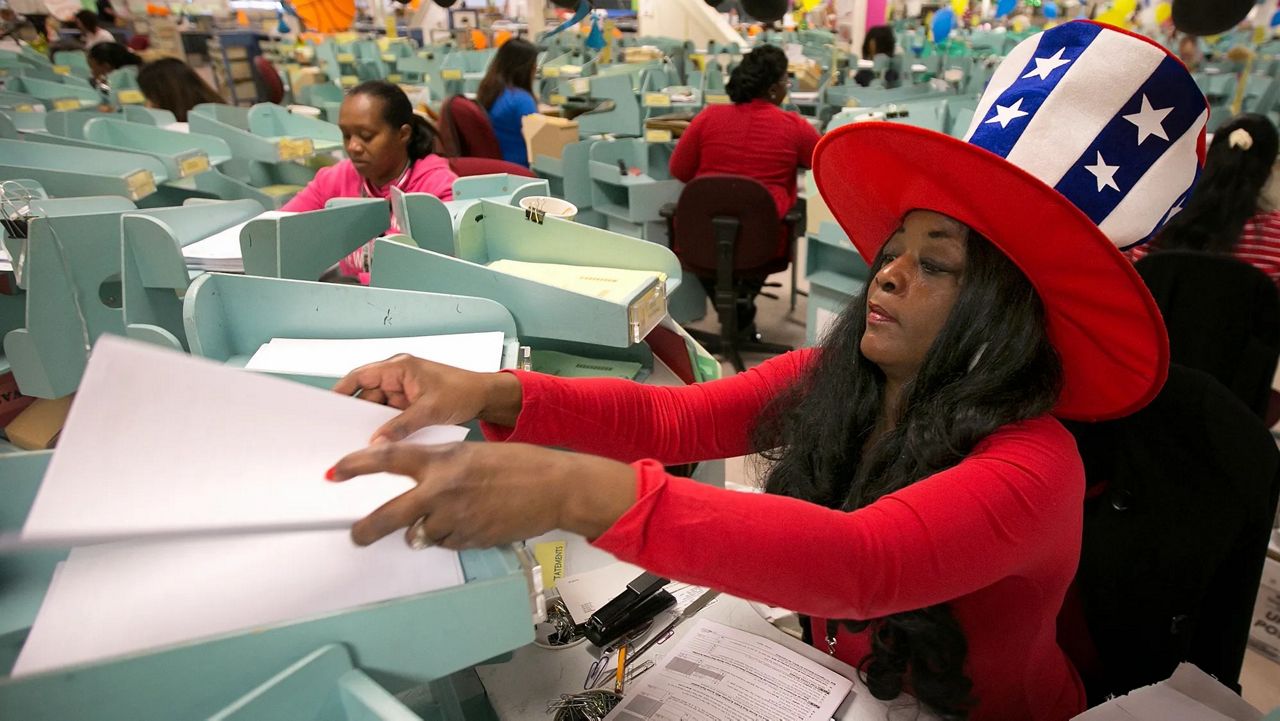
334	358
122	598
180	459
221	251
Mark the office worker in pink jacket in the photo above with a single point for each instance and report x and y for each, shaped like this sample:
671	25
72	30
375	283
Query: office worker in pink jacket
388	146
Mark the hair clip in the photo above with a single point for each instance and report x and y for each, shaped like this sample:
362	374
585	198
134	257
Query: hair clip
1240	138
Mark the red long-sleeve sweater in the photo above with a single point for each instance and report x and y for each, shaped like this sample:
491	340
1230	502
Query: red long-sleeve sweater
756	139
997	536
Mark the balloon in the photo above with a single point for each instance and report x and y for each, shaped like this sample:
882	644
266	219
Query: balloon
1050	9
1275	19
1004	7
1163	12
943	20
959	6
595	39
1209	17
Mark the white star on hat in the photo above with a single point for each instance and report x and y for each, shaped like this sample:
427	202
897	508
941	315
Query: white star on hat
1177	208
1046	66
1105	174
1149	120
1006	114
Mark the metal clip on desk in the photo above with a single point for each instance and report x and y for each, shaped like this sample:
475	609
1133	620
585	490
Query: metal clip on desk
320	668
489	231
432	223
568	178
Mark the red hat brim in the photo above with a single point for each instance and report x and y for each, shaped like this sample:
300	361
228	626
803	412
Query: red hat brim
1101	318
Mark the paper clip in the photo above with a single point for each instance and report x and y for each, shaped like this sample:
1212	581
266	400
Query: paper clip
598	672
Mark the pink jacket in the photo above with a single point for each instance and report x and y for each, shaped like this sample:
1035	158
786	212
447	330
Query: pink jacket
428	175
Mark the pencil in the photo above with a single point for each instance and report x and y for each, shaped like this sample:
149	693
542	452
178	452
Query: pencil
622	670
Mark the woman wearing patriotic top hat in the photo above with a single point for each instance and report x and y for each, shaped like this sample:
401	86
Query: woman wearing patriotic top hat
923	505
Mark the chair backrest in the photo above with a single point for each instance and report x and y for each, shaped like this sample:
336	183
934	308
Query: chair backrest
271	82
1182	501
466	131
465	167
1223	317
706	198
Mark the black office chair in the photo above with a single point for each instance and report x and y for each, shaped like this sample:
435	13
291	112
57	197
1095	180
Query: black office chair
1181	504
727	227
1223	317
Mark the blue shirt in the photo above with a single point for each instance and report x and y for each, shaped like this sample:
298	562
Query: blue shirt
505	116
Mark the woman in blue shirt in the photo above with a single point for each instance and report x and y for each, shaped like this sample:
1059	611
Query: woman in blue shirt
507	93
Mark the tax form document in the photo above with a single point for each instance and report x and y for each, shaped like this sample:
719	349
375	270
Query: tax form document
718	672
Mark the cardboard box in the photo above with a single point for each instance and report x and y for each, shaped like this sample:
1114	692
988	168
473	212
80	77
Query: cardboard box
1264	631
12	402
815	207
37	427
545	135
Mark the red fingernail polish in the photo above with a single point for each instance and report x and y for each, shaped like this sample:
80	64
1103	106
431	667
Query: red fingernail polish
331	474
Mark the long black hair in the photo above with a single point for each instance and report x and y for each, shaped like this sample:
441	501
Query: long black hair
1227	194
985	369
760	69
397	112
512	67
170	84
113	55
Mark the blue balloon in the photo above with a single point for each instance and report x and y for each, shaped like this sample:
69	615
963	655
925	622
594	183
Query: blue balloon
1050	9
943	20
1004	7
1275	19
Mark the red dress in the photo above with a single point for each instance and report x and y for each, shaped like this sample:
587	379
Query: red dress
997	536
756	139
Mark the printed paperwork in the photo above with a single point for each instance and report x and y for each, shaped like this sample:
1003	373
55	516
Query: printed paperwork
124	598
618	285
159	443
480	352
221	251
719	672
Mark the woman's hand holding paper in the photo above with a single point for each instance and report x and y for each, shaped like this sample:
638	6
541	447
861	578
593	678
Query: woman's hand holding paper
432	394
477	495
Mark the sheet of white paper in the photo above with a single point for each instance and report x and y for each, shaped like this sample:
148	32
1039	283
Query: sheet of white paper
158	442
480	352
718	672
586	593
123	598
221	251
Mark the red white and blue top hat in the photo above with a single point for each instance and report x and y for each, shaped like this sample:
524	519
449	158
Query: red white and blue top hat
1087	139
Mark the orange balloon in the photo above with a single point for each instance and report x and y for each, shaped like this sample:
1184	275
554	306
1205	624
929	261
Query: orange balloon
501	38
478	40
